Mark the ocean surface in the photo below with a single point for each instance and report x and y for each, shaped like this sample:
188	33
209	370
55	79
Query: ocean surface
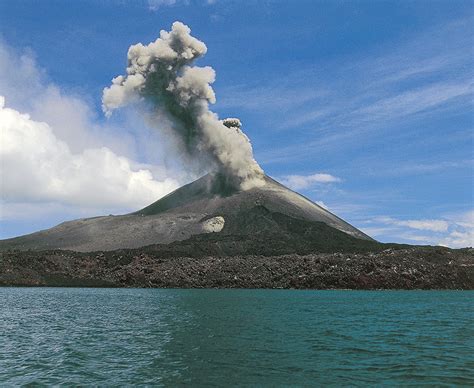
79	336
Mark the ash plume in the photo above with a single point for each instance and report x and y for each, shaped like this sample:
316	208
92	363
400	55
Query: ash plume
162	75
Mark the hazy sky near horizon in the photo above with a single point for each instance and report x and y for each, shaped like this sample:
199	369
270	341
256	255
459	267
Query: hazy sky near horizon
365	107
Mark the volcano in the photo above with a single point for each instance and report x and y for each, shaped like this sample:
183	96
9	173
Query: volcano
205	206
240	209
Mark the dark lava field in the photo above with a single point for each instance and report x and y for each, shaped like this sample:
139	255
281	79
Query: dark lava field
390	268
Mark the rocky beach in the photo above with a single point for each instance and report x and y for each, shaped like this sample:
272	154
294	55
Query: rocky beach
391	268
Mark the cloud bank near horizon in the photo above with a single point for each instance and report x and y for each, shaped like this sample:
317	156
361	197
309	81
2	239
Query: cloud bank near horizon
37	166
453	230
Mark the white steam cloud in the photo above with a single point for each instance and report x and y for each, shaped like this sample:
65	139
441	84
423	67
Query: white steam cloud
161	74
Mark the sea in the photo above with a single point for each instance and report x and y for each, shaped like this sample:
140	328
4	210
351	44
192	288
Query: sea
233	337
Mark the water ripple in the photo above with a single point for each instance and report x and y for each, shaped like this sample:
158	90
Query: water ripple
60	336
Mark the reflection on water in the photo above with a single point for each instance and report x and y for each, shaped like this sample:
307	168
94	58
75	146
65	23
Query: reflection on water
235	337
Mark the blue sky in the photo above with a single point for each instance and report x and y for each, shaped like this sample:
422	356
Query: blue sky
363	106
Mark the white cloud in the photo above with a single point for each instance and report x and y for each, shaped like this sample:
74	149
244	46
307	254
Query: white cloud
71	117
462	232
298	182
414	101
407	169
20	78
36	166
432	225
63	161
464	219
455	231
155	5
458	239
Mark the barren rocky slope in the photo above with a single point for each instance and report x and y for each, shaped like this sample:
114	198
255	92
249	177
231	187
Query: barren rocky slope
203	206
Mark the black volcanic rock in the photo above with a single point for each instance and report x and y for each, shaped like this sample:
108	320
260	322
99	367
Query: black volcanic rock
391	268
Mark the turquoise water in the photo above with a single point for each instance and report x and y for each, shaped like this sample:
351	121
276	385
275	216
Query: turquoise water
235	337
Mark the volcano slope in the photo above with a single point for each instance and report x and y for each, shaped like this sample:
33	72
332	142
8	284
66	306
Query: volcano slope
204	206
205	235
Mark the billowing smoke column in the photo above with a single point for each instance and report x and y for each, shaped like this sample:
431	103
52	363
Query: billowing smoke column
161	73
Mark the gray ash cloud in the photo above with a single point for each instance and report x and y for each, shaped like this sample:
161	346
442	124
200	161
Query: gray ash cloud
162	74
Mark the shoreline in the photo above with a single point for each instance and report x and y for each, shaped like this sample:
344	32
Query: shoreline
240	288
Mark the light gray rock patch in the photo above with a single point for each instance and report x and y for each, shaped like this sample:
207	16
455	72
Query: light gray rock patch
213	225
